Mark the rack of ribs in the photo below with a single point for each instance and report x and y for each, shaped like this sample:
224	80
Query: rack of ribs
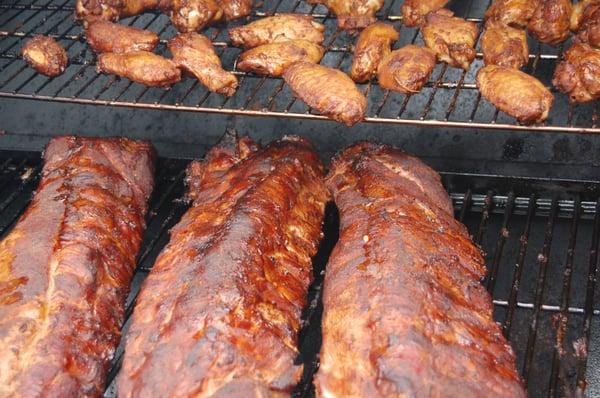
405	313
66	266
219	314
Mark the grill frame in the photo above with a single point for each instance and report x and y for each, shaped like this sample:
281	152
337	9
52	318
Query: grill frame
529	221
448	87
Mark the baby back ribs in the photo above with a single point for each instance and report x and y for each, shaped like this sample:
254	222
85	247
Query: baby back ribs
404	312
66	266
220	311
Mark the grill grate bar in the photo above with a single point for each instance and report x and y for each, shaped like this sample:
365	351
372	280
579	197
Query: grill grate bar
502	237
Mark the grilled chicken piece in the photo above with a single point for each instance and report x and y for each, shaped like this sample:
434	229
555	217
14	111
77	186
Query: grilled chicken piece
504	45
45	55
578	11
142	67
453	39
220	311
516	93
192	15
329	91
273	59
111	10
404	313
414	11
550	21
235	9
66	266
578	75
352	15
196	54
407	69
108	37
281	27
589	31
516	13
373	44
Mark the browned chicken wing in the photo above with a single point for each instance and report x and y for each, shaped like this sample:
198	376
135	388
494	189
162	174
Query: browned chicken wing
327	90
45	55
589	31
111	10
196	54
414	11
451	38
504	45
550	21
192	15
352	14
142	67
273	59
109	37
578	11
373	44
578	75
407	69
512	12
516	93
235	9
279	27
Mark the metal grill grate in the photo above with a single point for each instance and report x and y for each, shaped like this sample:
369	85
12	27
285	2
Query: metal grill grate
541	239
449	99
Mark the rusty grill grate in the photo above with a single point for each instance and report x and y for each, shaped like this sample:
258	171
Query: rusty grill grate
541	241
450	98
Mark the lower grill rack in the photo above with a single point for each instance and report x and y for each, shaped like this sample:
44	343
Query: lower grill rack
541	242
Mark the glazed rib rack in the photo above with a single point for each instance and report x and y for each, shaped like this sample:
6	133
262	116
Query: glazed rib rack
450	99
541	242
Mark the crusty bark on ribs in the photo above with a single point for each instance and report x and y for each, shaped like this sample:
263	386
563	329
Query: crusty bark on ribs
404	312
220	311
66	266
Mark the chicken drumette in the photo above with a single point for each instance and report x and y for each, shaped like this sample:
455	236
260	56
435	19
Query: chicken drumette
142	67
45	55
234	9
329	91
107	37
515	93
111	10
407	69
373	44
414	11
192	15
578	75
512	12
352	14
578	12
277	28
273	59
451	38
196	54
550	21
589	27
504	45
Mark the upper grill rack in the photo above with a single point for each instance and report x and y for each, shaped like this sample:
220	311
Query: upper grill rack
450	98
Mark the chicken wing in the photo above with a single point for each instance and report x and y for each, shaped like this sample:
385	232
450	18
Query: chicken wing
327	90
451	38
516	93
279	27
111	10
407	69
512	12
372	46
578	11
550	21
273	59
196	54
142	67
414	11
352	15
235	9
192	15
578	75
589	30
504	45
45	55
109	37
